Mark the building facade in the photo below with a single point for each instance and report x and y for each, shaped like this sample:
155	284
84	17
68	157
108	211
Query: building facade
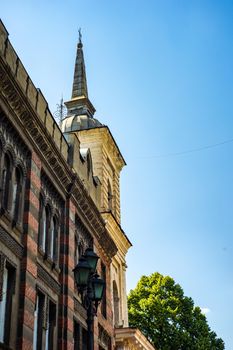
59	195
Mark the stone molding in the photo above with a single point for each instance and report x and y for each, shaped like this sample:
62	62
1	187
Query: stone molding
132	338
48	279
11	243
80	309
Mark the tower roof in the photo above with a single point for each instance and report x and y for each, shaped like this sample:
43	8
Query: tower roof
80	103
80	80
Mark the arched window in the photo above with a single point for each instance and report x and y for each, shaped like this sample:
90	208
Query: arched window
0	157
53	239
110	196
44	224
46	229
80	250
16	195
88	164
115	304
41	222
6	180
76	257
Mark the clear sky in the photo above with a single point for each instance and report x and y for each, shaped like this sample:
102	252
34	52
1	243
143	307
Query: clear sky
160	74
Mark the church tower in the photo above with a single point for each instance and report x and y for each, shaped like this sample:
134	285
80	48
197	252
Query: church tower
107	162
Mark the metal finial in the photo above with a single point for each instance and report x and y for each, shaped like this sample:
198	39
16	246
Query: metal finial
80	36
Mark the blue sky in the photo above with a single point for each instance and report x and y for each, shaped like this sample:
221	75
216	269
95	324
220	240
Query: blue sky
160	74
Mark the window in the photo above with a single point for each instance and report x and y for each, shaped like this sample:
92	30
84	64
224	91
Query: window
110	196
115	304
46	225
88	164
76	336
3	303
80	337
44	214
43	337
83	240
17	195
38	322
78	250
84	339
51	322
53	239
48	231
41	234
76	254
104	299
7	292
6	179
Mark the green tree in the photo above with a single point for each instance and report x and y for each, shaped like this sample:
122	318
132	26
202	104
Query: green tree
158	307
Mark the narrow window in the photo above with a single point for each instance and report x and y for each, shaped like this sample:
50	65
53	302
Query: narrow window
42	224
88	164
52	234
6	182
51	322
46	230
38	322
53	239
76	255
104	299
3	305
76	336
80	250
6	303
110	196
115	304
16	195
0	157
84	339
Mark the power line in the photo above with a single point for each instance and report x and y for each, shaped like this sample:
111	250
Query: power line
193	150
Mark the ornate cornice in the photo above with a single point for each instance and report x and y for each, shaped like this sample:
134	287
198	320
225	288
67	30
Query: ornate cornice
32	126
11	243
80	309
48	279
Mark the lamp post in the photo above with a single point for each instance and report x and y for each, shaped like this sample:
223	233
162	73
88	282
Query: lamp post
91	288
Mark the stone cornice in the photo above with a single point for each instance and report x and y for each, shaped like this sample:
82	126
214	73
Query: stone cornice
133	337
116	232
33	128
11	243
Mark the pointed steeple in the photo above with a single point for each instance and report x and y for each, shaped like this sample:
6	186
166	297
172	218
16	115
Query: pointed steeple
80	103
80	80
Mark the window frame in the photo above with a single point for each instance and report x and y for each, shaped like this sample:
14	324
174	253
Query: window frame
17	200
104	298
39	316
10	291
6	181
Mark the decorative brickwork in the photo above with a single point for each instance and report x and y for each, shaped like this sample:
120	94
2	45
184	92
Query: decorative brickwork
11	243
48	279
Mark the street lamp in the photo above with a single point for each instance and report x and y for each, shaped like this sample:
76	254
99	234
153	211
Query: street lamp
91	287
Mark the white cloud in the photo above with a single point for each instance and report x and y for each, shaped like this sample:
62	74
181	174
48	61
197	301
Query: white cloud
205	310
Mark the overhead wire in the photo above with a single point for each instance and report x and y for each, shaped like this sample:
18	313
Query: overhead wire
192	150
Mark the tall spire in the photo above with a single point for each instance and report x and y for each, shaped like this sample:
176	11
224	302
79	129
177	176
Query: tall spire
80	103
80	81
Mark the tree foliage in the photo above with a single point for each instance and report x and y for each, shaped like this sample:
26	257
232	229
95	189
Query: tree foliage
158	307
